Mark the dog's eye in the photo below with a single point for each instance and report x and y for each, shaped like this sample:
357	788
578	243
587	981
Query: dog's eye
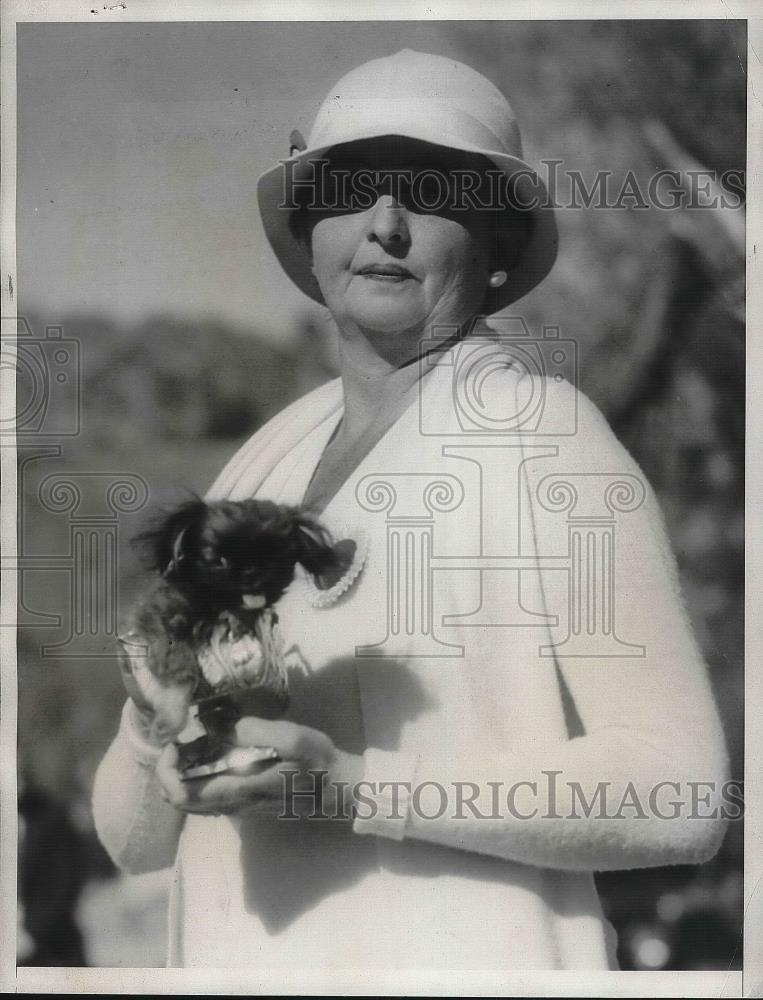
216	564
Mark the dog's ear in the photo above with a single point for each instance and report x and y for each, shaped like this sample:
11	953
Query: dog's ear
176	535
314	546
173	566
167	544
298	533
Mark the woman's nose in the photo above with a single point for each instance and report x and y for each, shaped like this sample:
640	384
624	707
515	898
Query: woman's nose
388	223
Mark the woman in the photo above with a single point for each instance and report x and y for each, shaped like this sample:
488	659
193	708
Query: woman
562	744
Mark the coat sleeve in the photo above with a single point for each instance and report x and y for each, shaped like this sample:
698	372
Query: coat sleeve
139	830
645	783
137	827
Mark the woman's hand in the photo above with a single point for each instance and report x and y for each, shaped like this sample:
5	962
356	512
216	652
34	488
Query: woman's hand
160	711
283	788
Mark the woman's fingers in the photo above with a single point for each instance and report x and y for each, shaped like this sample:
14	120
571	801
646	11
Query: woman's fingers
223	793
169	776
300	750
283	736
292	741
227	794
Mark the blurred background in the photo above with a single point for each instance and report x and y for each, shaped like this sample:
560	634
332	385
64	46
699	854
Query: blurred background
138	236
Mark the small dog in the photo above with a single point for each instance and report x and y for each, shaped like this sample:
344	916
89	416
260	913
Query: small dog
206	628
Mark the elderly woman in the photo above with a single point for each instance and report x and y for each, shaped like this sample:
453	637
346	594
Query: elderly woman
502	694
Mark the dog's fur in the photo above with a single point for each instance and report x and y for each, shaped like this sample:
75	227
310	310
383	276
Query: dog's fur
210	555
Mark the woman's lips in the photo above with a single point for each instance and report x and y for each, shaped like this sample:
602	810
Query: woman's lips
388	278
387	273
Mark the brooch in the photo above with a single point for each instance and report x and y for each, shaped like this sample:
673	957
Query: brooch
322	597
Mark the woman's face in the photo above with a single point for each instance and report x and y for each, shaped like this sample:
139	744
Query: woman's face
398	267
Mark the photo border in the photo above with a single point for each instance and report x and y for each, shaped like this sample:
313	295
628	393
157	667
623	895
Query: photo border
238	981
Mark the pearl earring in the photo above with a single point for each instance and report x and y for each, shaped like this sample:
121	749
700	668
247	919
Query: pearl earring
497	278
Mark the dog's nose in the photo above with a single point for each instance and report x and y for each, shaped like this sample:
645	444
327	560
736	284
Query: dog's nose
254	600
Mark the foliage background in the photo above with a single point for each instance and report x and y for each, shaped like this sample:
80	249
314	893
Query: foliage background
138	234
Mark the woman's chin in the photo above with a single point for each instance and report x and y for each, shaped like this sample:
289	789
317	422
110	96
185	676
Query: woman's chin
392	319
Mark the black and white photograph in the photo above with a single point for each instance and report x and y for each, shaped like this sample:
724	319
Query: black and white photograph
375	445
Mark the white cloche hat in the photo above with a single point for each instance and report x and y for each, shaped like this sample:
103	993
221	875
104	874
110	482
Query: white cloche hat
436	100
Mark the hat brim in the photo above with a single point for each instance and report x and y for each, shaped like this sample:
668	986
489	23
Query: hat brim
535	263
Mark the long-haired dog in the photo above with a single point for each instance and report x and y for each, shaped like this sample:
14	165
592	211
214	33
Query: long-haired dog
206	626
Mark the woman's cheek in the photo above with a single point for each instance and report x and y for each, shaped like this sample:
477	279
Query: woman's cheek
465	280
332	279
